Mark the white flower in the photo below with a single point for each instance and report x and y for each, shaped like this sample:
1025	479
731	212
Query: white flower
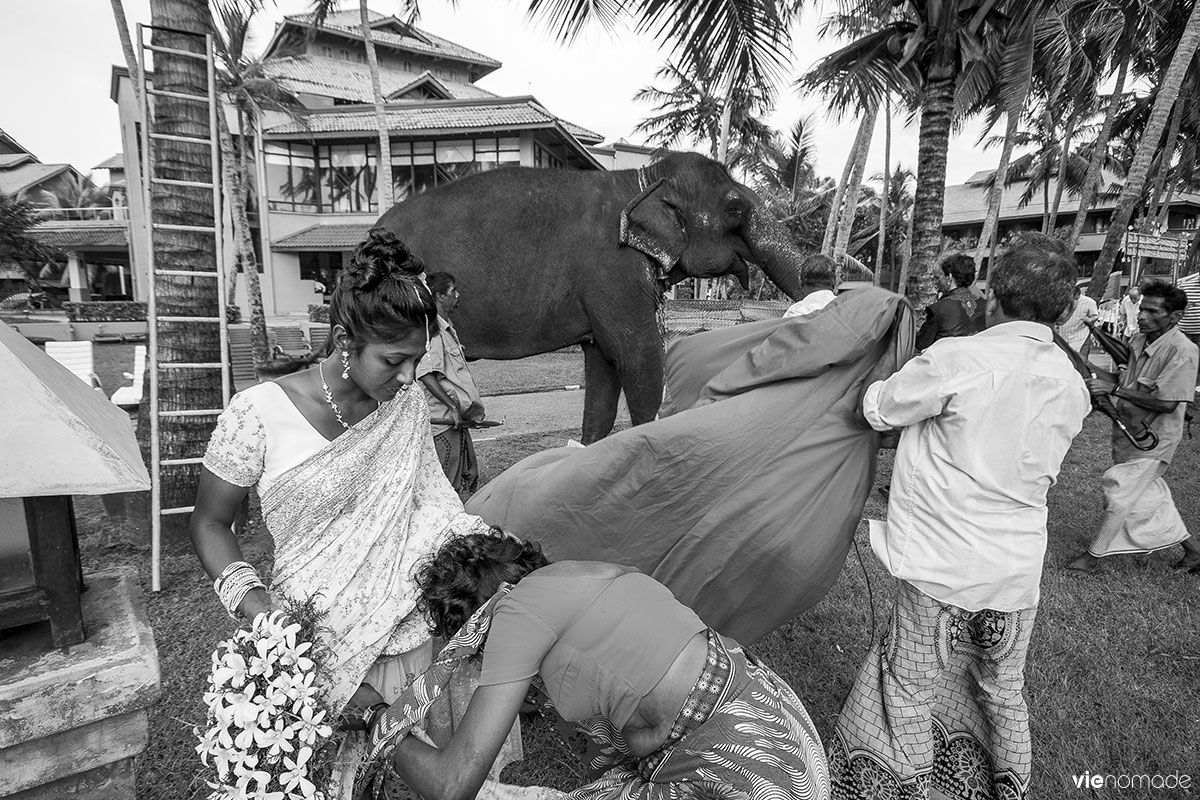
274	739
231	672
243	707
308	728
295	776
290	657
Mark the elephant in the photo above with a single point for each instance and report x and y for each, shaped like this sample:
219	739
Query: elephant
545	259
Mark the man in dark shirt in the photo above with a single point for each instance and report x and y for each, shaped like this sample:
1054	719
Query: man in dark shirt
960	311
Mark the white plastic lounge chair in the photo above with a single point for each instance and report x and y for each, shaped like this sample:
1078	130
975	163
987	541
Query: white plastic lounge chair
241	359
288	342
132	395
318	337
78	358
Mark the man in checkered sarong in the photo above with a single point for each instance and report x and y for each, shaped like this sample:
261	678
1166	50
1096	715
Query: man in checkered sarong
986	420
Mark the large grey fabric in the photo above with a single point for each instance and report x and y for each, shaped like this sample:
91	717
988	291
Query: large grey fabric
744	496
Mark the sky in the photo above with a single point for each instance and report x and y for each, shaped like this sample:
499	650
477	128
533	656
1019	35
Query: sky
57	57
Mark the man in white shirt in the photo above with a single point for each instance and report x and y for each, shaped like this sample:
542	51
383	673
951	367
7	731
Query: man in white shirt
451	392
986	421
818	273
1074	329
1129	312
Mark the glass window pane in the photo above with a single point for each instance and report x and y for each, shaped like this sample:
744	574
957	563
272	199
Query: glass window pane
454	152
512	143
509	157
422	148
424	177
401	149
485	145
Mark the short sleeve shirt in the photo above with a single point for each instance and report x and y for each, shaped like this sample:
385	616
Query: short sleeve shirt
1165	368
599	644
446	357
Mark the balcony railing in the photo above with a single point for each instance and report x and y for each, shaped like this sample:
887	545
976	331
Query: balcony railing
93	214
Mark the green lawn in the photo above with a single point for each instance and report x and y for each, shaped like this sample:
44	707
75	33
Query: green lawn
1112	676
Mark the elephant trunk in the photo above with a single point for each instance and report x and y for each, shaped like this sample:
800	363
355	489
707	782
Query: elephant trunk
772	248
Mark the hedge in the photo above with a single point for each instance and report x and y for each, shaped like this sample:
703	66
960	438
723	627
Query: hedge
106	311
318	313
125	311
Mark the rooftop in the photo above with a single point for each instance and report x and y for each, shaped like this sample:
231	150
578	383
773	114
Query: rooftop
437	116
27	175
77	235
330	77
325	236
386	31
115	161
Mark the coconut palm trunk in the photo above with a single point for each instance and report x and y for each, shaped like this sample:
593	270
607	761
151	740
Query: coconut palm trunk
1135	180
839	194
1064	153
1092	183
1157	207
384	167
883	197
862	148
234	175
996	193
182	249
131	59
937	108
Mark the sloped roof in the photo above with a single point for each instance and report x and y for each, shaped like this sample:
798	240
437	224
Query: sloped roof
967	203
78	235
330	77
344	236
9	143
510	113
426	79
115	161
26	176
347	24
9	160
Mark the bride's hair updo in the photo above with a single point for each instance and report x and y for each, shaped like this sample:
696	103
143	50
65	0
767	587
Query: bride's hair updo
379	294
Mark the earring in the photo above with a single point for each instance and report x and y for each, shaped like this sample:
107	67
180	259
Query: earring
345	365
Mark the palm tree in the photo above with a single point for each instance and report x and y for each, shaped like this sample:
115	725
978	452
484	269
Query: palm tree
248	88
17	246
72	193
186	247
862	148
1116	28
320	11
1168	93
923	51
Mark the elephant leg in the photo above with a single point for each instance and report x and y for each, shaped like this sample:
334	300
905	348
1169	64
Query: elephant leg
642	380
602	390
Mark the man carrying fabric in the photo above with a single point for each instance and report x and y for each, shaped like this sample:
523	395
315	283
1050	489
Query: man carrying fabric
1156	386
819	275
986	420
959	312
451	391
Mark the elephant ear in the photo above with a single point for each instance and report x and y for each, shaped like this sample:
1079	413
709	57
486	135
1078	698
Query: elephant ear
650	224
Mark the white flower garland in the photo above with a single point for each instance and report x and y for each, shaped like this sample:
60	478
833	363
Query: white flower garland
267	729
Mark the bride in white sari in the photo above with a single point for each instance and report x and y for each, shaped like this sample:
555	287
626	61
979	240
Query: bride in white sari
351	488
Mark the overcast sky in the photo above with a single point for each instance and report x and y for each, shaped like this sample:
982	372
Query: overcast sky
56	58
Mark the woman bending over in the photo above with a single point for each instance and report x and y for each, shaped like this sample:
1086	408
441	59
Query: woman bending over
682	706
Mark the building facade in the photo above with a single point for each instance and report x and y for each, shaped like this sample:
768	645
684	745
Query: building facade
315	192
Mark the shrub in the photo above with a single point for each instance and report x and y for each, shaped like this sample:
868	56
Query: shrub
106	311
318	313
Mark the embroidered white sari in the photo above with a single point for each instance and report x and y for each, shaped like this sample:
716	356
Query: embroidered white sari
350	522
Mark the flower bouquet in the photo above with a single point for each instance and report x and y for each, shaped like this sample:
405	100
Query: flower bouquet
268	736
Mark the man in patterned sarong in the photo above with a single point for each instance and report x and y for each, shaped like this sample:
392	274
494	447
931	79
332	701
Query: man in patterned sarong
986	421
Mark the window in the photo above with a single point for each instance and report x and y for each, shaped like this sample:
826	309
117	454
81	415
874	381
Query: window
347	177
345	55
322	267
1189	222
292	183
417	166
542	157
327	51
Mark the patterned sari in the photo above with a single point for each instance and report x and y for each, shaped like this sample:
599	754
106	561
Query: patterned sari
351	522
742	734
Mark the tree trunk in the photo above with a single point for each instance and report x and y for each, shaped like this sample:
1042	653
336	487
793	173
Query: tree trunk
937	107
996	195
131	59
235	196
1094	177
1164	166
193	342
1168	93
862	147
839	193
883	198
383	182
1063	154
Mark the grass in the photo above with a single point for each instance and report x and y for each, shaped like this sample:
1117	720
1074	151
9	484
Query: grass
1111	677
